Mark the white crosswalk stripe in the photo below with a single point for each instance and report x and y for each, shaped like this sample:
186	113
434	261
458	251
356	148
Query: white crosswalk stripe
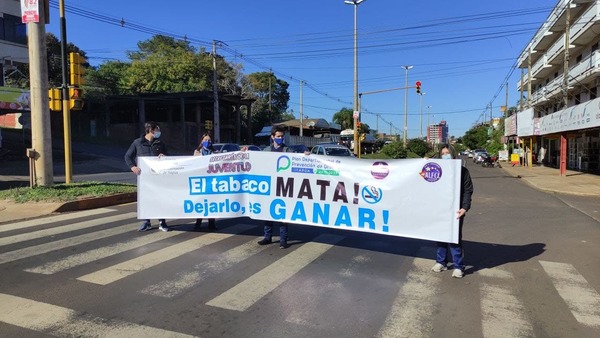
64	322
99	253
248	292
581	298
52	219
410	315
190	278
503	315
130	267
63	229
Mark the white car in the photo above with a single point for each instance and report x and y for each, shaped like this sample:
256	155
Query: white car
331	150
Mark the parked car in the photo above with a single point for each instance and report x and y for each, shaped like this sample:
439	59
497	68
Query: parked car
251	147
297	148
225	147
331	150
480	157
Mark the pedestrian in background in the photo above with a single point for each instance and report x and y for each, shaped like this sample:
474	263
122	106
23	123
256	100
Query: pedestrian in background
205	148
277	145
456	250
148	144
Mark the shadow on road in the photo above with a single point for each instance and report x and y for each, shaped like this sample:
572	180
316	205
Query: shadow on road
490	255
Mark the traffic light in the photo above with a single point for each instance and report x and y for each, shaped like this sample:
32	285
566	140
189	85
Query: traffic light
76	68
362	136
358	125
208	124
418	86
75	98
55	99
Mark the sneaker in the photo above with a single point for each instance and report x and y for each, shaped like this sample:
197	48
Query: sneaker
439	267
458	273
145	226
264	241
163	226
283	245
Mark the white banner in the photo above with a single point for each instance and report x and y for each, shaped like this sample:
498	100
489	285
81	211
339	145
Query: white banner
415	198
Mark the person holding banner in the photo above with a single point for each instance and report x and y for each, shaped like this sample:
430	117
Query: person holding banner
205	148
277	145
148	144
456	250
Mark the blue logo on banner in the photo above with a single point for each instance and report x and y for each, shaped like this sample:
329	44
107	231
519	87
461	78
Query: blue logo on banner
371	194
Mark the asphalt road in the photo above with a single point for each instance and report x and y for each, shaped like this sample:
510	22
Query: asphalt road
532	262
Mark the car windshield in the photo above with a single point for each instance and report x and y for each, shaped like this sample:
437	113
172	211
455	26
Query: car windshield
337	152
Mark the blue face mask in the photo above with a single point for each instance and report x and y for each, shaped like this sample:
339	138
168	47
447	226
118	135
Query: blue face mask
156	134
206	144
278	141
447	156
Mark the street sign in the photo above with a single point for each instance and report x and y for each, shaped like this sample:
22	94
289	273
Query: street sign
356	114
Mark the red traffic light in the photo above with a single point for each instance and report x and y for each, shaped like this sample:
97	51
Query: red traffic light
418	84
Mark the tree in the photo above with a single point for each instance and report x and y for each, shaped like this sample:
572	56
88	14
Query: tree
394	150
263	113
417	146
53	49
344	118
107	79
476	137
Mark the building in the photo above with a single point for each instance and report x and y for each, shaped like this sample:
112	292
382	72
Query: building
13	39
437	133
560	118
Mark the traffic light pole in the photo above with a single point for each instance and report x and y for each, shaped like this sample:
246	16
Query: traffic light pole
65	95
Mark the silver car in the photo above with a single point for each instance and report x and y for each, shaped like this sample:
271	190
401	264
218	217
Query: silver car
331	150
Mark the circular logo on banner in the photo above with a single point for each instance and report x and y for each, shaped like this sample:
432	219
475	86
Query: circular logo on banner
380	170
371	194
431	172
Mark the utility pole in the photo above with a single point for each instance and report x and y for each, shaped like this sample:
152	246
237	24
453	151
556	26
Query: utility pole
406	104
65	95
41	154
567	56
301	110
421	114
506	102
216	115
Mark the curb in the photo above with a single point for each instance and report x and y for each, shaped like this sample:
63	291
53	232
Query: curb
100	202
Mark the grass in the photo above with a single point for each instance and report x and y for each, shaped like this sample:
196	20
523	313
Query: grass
66	192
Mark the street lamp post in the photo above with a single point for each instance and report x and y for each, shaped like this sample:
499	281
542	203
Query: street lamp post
356	113
428	112
421	114
406	104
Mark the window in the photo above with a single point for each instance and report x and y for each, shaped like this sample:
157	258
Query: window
593	93
12	29
579	58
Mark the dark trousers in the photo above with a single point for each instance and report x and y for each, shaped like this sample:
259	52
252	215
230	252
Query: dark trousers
283	231
456	251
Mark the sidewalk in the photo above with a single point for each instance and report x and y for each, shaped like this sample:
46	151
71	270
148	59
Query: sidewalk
549	180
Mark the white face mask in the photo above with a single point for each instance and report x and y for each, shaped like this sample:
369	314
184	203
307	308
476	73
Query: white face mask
447	156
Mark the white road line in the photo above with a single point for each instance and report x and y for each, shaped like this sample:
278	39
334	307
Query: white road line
60	321
496	273
103	252
63	243
410	315
581	298
65	228
52	219
130	267
188	279
502	313
248	292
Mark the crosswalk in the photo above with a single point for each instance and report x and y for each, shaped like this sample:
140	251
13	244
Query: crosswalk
100	248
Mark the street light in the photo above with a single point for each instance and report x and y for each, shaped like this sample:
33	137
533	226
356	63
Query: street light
421	113
355	3
406	104
428	112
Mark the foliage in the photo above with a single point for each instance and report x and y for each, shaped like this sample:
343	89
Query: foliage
53	49
476	137
108	79
66	192
344	118
263	114
417	146
394	150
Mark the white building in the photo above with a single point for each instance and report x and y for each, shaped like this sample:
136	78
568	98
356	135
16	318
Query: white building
561	113
13	38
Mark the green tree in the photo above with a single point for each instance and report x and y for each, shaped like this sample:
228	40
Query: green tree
107	79
344	118
417	146
53	50
394	150
476	137
263	113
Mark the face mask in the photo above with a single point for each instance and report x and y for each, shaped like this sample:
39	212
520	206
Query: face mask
156	134
206	144
447	156
278	141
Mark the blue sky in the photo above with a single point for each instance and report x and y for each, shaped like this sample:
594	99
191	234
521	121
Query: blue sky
462	51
